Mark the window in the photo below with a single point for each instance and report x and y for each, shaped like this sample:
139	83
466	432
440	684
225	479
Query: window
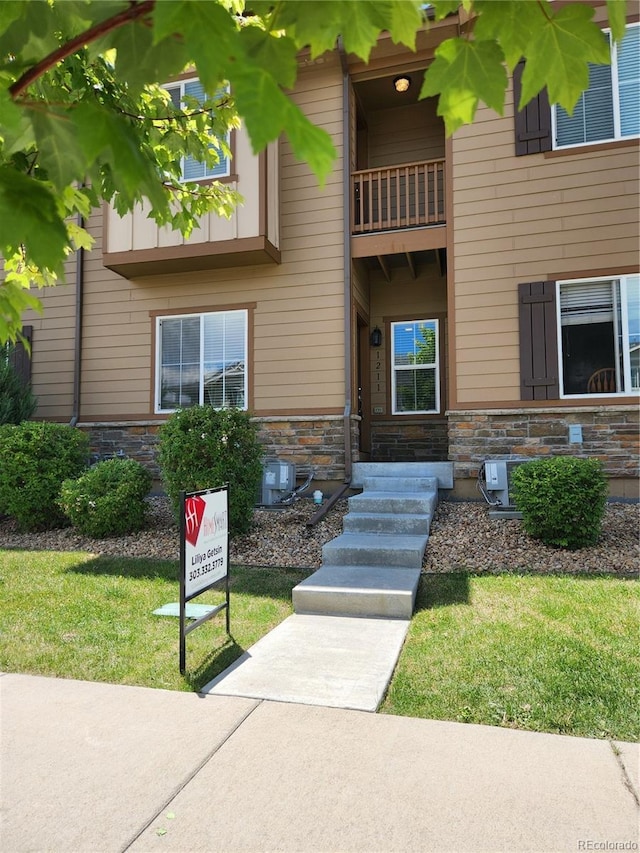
610	108
202	360
599	336
192	169
415	373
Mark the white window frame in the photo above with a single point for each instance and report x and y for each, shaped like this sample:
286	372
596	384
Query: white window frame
432	366
623	332
202	316
615	92
180	84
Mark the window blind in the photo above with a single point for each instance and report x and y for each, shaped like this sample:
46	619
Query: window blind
586	302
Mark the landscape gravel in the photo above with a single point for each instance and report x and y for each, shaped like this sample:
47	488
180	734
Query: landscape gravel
463	538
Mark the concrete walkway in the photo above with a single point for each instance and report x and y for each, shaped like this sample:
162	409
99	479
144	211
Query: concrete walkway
94	767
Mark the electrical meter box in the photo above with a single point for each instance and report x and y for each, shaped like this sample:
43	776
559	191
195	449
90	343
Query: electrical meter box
278	481
495	477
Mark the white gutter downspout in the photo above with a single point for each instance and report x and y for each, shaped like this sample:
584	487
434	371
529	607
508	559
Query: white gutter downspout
346	192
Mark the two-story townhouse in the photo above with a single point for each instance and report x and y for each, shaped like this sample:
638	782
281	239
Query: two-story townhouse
439	299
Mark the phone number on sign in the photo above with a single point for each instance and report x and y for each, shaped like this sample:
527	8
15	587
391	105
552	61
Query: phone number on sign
205	568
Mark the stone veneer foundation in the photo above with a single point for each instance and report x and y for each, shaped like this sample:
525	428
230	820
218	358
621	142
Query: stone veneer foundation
309	442
467	438
609	434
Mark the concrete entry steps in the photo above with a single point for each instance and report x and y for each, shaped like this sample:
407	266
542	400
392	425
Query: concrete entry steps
373	568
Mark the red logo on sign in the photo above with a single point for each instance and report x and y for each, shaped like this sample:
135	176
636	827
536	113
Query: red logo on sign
193	512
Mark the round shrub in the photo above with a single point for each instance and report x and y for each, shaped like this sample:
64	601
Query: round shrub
562	500
17	403
108	499
203	448
34	460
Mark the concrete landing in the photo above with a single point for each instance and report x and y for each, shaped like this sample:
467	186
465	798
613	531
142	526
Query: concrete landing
335	661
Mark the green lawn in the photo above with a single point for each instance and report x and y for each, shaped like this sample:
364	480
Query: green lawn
545	653
77	616
553	653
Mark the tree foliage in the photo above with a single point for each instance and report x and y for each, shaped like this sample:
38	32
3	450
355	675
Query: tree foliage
84	119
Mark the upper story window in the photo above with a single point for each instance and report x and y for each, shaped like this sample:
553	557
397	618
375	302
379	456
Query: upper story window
202	360
610	108
192	169
415	371
599	336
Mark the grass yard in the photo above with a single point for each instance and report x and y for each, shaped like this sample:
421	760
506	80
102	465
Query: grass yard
74	615
544	653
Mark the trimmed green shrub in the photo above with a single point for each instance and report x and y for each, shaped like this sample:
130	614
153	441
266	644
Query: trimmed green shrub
17	403
562	500
35	457
203	448
108	499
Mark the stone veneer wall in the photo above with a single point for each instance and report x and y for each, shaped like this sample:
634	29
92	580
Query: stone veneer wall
610	434
309	442
395	441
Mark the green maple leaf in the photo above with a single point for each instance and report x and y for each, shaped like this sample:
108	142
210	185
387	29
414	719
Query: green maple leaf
316	25
213	41
58	149
405	17
139	60
276	55
511	23
616	9
29	214
360	25
558	56
463	73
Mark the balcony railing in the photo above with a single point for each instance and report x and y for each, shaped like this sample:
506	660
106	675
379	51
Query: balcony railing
395	197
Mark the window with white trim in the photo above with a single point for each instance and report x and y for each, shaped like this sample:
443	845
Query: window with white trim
202	360
599	336
610	108
415	371
192	169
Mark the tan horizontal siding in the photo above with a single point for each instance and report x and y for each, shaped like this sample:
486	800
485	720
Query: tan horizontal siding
296	355
521	219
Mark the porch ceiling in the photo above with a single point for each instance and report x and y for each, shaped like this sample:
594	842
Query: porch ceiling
414	261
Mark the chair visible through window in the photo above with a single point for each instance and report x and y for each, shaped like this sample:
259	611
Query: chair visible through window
603	381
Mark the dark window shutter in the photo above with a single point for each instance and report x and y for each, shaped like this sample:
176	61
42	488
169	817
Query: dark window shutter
533	123
20	357
538	341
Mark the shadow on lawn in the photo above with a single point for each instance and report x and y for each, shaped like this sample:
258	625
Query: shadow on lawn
273	583
442	590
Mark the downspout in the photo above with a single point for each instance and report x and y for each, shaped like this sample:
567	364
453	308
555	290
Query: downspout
77	348
346	200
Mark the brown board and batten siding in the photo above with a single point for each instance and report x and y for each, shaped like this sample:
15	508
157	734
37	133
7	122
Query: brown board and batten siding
296	307
526	219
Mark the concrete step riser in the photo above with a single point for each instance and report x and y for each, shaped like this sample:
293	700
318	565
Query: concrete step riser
380	603
443	471
374	503
400	484
371	556
412	525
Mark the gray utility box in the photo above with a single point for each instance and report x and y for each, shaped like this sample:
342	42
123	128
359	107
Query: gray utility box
496	476
278	481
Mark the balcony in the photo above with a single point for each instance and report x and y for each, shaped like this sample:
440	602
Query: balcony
410	195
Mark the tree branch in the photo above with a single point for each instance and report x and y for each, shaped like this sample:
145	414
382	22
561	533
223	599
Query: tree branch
135	11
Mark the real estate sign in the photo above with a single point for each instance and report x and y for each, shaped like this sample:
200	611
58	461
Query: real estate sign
204	552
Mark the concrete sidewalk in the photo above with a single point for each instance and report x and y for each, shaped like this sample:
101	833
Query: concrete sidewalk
93	767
